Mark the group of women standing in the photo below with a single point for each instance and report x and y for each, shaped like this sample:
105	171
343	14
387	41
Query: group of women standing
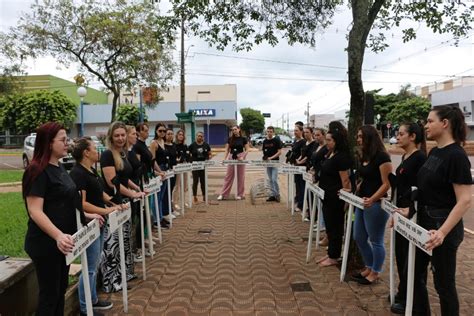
52	197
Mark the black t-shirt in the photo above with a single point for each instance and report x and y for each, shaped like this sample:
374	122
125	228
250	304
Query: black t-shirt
182	153
270	147
296	150
443	168
61	198
160	156
236	145
136	166
146	157
171	155
370	174
407	177
307	152
317	158
329	178
199	152
90	182
107	160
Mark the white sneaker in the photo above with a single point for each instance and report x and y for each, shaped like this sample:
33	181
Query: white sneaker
297	209
186	205
148	254
176	213
137	257
220	198
238	198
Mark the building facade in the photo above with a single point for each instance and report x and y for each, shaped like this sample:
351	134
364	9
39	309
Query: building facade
214	106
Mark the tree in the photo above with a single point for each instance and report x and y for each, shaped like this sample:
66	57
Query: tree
244	24
120	43
129	114
410	110
25	112
252	121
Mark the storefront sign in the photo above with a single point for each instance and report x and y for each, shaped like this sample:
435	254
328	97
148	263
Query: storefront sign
204	112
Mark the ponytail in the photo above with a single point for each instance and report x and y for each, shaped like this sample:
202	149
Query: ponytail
456	121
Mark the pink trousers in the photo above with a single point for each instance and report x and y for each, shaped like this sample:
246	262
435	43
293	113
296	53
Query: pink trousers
229	179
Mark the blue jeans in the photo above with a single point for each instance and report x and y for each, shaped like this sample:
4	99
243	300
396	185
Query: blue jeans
93	253
272	173
369	230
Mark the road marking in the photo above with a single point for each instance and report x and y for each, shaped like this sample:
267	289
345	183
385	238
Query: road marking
11	166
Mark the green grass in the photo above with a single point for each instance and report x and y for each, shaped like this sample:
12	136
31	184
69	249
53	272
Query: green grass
11	176
13	224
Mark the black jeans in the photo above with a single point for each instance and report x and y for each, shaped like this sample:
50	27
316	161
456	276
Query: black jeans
333	212
401	257
199	176
52	273
300	187
443	265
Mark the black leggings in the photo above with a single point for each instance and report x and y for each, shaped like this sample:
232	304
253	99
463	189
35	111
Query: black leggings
52	273
199	176
333	212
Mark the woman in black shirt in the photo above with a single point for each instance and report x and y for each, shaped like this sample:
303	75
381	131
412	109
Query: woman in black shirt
369	225
172	160
51	200
199	151
94	201
444	196
182	156
117	173
334	176
236	148
411	138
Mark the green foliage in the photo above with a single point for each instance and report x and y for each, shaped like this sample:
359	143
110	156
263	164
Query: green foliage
129	114
25	112
13	224
410	110
280	131
401	107
120	43
252	121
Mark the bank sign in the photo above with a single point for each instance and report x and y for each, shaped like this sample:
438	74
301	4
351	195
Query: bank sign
204	112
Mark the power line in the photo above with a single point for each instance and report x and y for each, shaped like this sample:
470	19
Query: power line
317	65
285	78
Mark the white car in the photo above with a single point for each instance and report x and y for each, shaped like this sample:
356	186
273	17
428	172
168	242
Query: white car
29	147
393	140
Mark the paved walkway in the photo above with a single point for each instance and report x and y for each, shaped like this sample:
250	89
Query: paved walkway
248	262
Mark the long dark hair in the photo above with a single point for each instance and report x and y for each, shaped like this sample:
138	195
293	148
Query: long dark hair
456	121
371	143
417	130
233	137
156	129
340	138
45	135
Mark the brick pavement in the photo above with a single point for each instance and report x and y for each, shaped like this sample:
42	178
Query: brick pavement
246	264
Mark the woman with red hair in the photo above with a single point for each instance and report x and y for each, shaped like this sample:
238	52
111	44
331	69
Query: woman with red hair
51	199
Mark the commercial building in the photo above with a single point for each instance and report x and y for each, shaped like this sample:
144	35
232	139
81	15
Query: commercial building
458	92
215	108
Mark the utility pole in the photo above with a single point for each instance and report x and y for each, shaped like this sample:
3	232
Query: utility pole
288	123
307	114
182	108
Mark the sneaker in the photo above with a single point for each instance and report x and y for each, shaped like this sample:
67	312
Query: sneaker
277	198
271	199
164	224
238	198
102	305
186	205
176	213
220	198
306	219
148	253
137	257
297	209
176	207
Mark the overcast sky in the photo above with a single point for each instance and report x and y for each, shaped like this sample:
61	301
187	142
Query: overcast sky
283	79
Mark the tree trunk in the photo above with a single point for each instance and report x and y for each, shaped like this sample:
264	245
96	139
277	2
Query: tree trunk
114	105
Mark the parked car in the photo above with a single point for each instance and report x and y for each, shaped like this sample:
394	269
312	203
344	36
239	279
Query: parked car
286	140
29	147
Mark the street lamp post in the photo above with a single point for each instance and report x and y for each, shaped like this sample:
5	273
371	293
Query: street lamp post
82	92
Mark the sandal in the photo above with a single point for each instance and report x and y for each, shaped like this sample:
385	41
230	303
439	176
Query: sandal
328	262
322	259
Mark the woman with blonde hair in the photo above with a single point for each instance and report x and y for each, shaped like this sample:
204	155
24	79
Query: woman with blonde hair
117	173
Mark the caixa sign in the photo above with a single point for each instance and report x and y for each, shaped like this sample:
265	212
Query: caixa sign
204	112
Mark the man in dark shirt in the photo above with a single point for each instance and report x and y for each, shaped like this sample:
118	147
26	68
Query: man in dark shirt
271	151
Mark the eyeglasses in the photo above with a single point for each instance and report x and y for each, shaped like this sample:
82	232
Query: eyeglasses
62	140
161	130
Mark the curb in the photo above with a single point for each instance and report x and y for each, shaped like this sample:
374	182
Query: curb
10	184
